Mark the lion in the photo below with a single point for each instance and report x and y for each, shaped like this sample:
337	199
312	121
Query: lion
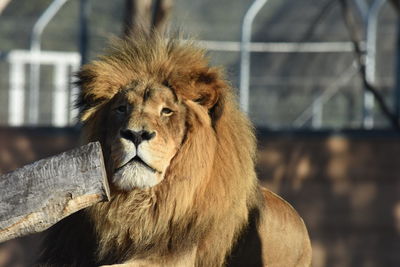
180	159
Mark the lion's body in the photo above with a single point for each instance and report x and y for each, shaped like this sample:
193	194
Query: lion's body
204	206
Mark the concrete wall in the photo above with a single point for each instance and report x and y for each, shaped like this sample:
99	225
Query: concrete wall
20	146
346	187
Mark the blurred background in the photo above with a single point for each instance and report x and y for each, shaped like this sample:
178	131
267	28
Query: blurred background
320	80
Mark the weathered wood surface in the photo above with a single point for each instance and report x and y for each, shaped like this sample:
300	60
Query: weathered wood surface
38	195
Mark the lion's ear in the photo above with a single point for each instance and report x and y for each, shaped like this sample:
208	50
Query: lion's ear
210	88
96	86
88	106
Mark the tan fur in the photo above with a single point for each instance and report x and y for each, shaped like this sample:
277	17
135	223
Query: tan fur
195	215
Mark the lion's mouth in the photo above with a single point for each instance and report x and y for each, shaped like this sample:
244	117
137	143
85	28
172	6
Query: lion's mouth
137	160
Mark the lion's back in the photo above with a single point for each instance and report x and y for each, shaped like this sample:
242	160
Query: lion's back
284	237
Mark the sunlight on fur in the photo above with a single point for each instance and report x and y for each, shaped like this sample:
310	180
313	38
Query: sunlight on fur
180	160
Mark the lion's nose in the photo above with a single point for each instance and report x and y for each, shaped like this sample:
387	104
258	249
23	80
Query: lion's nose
137	137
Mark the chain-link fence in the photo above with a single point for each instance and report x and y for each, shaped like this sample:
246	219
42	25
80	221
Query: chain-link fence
303	71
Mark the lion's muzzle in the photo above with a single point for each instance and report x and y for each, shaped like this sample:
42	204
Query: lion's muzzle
137	137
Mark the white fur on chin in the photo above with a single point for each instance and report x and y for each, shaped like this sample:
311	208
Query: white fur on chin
135	175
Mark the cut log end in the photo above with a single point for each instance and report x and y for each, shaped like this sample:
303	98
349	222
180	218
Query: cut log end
38	195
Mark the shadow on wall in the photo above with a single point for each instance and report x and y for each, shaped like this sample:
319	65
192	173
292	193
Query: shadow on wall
18	147
345	188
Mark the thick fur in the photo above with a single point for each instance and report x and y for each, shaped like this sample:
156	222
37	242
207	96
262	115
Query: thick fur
209	209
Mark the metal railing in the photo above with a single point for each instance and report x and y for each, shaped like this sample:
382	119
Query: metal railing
37	31
64	64
370	18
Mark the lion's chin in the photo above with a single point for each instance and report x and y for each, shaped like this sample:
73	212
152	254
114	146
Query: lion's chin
135	175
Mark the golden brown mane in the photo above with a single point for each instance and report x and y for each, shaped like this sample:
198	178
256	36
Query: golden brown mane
209	209
210	179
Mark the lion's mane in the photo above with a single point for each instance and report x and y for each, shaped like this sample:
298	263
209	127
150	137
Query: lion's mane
210	185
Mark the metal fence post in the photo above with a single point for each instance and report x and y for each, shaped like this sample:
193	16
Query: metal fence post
370	61
16	101
37	31
84	13
397	86
245	52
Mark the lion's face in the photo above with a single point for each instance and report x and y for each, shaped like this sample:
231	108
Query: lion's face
145	128
155	105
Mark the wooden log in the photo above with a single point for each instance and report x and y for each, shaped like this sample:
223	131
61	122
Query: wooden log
38	195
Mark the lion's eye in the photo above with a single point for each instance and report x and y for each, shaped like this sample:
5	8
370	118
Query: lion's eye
167	112
121	109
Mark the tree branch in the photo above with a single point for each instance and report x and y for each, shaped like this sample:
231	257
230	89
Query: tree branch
355	36
147	15
396	5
